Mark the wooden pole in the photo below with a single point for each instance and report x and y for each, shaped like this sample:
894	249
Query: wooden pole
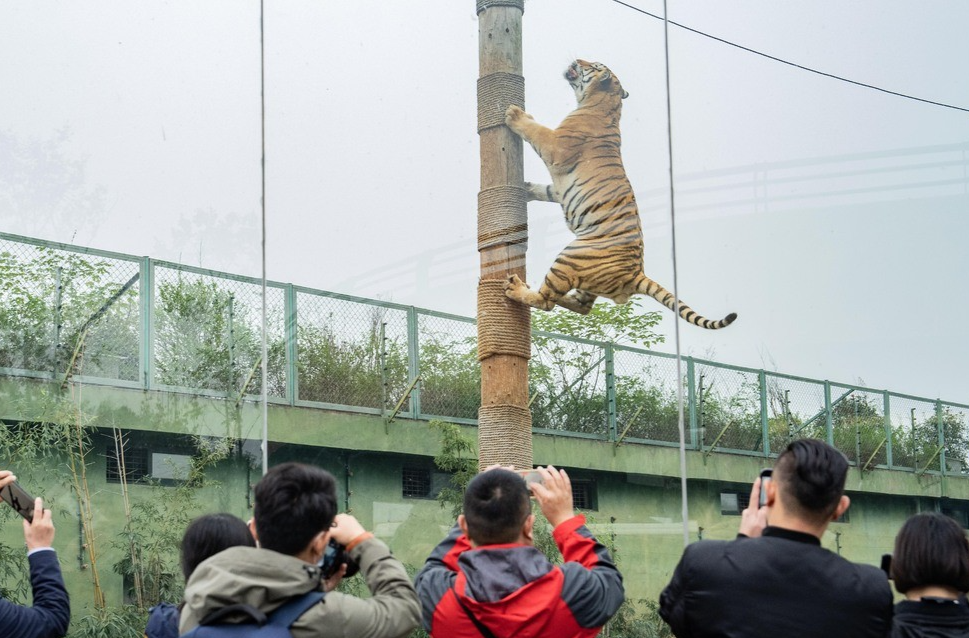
504	326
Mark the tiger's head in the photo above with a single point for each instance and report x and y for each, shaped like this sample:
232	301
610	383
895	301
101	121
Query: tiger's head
591	78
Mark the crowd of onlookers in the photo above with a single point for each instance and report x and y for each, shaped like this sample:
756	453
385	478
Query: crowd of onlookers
487	579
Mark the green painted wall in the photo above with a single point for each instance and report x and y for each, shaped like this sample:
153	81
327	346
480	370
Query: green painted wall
637	486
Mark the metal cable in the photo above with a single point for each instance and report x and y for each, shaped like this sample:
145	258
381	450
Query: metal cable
789	63
676	294
265	335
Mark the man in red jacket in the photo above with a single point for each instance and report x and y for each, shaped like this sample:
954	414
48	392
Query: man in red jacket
487	579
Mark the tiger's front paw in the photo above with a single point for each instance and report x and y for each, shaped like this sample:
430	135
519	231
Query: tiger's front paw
515	114
515	288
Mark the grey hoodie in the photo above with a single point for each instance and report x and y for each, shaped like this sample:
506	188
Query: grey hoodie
266	579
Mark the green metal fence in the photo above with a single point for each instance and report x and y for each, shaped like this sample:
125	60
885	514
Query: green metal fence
107	318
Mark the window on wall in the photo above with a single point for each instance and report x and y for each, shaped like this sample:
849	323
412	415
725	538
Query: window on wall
136	462
732	503
416	482
956	510
142	464
422	482
584	495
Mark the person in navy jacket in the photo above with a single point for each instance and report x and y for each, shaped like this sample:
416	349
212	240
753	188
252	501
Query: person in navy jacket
487	579
51	612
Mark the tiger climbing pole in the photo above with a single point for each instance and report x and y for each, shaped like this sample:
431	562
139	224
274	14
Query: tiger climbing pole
504	326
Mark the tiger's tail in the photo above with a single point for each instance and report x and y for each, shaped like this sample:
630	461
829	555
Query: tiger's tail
647	286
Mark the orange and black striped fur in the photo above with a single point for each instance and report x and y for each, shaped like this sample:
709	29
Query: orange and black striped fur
588	179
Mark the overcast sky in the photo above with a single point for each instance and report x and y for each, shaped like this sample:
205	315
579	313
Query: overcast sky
832	218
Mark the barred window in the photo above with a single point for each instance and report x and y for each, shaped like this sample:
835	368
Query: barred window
136	464
416	482
733	503
584	495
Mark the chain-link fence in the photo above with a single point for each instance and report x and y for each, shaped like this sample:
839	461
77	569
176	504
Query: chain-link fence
448	363
110	318
647	397
350	353
567	385
66	312
727	406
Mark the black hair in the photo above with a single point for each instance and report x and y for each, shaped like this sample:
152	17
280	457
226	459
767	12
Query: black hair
496	504
208	535
931	549
293	503
811	474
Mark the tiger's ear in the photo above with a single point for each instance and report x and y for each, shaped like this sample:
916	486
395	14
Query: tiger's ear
625	94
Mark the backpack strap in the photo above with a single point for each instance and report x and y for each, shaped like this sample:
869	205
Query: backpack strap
287	614
216	617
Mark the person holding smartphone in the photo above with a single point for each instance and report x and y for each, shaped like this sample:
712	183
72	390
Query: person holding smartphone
775	579
51	612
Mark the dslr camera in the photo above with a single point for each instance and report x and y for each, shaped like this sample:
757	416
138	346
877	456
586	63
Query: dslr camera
334	556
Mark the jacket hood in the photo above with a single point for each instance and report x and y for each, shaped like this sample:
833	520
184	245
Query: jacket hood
494	580
259	577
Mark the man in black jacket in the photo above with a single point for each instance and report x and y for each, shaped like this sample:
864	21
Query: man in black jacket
777	580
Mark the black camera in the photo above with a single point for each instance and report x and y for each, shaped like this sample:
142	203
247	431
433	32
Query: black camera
334	556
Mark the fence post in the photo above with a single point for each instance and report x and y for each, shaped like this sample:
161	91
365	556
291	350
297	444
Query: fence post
765	430
292	354
887	409
828	416
691	400
146	295
940	425
610	391
413	361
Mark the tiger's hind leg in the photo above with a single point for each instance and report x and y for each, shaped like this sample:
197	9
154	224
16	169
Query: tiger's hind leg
579	301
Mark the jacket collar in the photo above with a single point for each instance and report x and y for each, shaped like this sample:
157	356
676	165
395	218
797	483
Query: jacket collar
791	535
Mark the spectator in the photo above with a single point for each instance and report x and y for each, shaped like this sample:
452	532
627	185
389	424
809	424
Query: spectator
204	537
51	612
294	519
930	567
777	580
487	578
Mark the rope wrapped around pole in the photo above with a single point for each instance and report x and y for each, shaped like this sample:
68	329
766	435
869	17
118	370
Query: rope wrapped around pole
501	322
505	436
500	213
504	326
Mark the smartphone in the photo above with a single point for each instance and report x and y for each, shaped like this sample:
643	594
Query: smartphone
18	498
765	478
530	476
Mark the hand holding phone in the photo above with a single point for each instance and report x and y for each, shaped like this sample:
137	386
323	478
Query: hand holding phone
18	498
753	519
765	478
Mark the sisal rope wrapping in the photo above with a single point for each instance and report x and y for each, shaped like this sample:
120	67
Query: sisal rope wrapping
502	216
504	436
496	92
504	325
487	4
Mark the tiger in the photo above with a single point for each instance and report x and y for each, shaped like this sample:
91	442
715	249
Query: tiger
588	179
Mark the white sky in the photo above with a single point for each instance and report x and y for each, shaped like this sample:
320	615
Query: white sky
831	217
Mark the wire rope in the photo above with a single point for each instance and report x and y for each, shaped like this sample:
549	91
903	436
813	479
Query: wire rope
264	386
787	62
681	426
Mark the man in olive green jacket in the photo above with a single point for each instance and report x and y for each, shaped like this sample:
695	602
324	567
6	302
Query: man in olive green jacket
295	518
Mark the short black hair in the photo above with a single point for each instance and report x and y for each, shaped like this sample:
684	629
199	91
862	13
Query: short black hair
811	474
208	535
931	549
496	504
294	502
